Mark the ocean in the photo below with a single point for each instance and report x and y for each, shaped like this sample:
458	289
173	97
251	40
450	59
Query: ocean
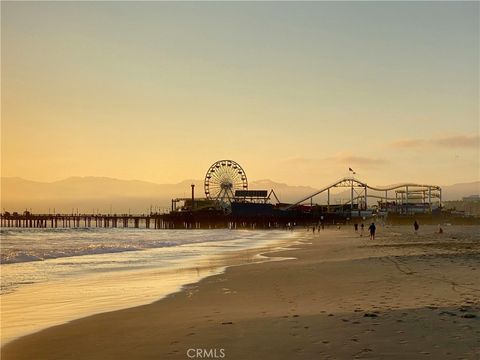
50	276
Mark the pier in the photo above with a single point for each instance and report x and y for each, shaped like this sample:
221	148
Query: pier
192	220
229	203
27	220
173	220
153	221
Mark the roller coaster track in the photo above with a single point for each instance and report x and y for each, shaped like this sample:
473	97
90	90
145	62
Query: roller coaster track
351	182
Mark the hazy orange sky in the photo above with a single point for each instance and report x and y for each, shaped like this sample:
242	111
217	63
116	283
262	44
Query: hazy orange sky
294	92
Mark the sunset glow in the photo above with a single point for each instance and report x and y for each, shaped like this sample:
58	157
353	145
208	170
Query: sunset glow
157	91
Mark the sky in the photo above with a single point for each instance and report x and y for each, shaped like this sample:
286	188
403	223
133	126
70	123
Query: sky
296	92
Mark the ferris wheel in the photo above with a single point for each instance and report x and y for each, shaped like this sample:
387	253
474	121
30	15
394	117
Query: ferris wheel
222	179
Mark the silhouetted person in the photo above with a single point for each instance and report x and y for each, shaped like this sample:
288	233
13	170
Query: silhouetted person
356	227
372	228
416	226
362	226
440	230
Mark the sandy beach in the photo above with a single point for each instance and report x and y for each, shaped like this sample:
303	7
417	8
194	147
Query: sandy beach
402	296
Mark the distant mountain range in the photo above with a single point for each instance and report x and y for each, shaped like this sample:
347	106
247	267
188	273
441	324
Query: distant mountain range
104	194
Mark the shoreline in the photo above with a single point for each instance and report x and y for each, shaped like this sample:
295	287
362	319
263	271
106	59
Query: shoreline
341	297
63	300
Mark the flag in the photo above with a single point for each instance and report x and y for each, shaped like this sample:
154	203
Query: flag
350	169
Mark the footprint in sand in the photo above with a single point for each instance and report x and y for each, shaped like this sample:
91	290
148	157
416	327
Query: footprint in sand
359	354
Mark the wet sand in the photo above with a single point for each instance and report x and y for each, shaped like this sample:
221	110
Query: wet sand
402	296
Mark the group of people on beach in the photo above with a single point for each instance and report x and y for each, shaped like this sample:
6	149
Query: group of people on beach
372	228
321	226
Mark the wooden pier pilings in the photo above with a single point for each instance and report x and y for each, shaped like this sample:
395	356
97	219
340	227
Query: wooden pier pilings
83	221
173	220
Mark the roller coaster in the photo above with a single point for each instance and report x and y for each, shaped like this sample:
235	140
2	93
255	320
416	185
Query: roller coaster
402	198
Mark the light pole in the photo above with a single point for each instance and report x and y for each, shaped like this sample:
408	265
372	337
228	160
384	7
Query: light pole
351	190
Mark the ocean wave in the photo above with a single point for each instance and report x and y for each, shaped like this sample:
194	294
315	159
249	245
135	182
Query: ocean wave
16	256
27	245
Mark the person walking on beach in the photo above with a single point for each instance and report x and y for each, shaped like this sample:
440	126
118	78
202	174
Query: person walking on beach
416	226
356	227
372	229
440	229
361	229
